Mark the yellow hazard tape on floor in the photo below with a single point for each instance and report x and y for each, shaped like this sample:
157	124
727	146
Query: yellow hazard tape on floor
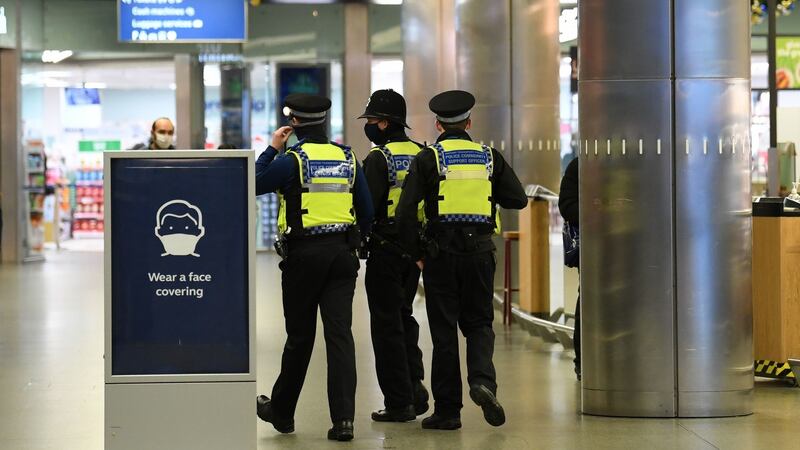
773	369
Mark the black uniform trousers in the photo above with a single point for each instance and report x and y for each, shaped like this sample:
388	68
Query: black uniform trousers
319	272
391	284
459	293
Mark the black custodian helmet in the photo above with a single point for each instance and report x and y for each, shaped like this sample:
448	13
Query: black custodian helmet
386	104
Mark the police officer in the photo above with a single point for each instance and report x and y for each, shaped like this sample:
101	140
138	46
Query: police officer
322	193
462	183
392	275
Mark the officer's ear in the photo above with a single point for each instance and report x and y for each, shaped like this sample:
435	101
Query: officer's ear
383	124
439	127
468	125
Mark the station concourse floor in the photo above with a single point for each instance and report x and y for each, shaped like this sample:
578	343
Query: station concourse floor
51	381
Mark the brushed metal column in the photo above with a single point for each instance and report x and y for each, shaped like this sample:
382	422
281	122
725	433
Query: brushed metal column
535	150
428	60
357	75
665	270
483	67
12	198
190	104
712	204
627	294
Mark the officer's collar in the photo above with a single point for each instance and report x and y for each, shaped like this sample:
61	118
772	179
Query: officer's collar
313	134
397	136
454	134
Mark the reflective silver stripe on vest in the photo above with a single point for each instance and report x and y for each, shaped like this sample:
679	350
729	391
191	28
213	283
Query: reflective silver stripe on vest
327	187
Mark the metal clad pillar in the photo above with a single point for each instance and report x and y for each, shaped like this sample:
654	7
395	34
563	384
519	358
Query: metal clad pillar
12	198
535	61
428	60
665	273
712	208
357	75
627	296
483	68
190	103
483	64
13	220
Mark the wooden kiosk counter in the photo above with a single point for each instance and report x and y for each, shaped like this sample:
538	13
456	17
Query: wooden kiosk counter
776	282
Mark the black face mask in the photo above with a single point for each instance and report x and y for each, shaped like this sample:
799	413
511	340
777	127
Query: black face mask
375	134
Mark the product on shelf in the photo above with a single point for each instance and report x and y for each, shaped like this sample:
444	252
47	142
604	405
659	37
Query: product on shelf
89	196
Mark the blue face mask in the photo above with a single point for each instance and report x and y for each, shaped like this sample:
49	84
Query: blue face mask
375	134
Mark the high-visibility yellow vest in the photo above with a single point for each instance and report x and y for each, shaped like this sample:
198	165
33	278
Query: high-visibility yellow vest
398	160
465	182
327	175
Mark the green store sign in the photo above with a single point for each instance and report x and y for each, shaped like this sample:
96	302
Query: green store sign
99	146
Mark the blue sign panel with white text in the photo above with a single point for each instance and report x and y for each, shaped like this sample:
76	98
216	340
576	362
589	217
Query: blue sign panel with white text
179	266
182	20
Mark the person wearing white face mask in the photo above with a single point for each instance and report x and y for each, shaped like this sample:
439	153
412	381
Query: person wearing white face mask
162	135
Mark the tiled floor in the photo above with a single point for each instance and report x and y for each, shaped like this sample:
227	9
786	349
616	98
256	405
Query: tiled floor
51	381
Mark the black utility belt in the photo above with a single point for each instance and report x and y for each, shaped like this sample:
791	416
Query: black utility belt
318	239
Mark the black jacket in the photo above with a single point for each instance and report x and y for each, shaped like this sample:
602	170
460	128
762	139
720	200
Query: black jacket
568	200
422	183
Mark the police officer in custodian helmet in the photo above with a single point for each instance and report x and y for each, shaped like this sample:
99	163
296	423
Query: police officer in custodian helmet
462	184
322	193
392	275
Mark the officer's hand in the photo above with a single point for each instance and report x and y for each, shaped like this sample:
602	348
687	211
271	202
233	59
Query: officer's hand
280	136
421	264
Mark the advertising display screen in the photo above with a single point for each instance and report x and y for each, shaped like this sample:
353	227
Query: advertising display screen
82	96
179	265
788	62
164	21
300	79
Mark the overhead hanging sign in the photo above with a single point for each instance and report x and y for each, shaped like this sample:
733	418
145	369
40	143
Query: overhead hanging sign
175	21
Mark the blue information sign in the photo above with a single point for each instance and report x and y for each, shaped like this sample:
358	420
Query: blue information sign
179	265
182	20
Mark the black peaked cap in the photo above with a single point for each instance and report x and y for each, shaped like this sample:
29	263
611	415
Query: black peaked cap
452	106
307	105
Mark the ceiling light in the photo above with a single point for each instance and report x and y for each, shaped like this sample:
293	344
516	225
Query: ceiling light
55	56
95	85
56	83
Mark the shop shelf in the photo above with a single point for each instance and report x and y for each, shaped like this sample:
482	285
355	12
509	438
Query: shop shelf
84	215
78	234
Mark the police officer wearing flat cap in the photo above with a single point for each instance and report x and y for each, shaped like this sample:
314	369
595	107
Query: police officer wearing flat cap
324	200
462	184
392	275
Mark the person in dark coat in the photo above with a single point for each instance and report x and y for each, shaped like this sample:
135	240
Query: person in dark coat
568	202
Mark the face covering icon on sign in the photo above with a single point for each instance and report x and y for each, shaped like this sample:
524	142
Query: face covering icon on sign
179	226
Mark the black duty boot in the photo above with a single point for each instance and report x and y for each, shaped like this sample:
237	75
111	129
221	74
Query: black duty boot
395	414
436	422
342	430
265	413
420	399
492	411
